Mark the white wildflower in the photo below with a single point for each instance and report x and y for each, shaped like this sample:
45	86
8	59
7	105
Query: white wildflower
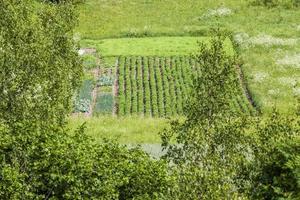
290	81
219	12
274	92
260	76
242	39
296	91
268	40
290	60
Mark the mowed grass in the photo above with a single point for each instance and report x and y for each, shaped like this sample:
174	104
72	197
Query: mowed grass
162	46
126	130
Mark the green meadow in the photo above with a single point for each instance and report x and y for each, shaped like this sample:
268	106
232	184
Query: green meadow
268	39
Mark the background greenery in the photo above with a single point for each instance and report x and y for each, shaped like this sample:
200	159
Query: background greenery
269	27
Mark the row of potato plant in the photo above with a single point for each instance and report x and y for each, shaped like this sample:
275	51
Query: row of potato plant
158	86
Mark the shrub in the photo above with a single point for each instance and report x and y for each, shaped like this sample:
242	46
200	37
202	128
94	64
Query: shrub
52	164
276	169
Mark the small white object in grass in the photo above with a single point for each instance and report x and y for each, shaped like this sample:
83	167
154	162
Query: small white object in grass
81	52
219	12
265	40
241	39
268	40
296	91
274	92
260	76
290	60
288	81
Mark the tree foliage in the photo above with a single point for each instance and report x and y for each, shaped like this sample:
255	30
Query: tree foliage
213	89
40	68
220	155
59	166
39	157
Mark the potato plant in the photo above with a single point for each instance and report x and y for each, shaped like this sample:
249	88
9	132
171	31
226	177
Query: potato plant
121	91
159	86
146	83
153	88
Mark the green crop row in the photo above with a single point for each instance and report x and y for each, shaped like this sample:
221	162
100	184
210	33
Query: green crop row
159	86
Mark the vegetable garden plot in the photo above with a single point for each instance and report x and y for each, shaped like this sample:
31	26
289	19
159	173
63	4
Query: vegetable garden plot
104	103
158	86
89	61
84	97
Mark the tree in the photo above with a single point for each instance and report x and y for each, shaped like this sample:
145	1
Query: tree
275	170
218	154
209	143
40	68
39	157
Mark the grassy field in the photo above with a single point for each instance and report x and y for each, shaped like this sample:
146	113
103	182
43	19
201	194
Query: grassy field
271	35
149	46
163	46
269	40
127	130
123	18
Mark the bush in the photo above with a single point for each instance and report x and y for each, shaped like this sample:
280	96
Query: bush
276	169
52	164
280	174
